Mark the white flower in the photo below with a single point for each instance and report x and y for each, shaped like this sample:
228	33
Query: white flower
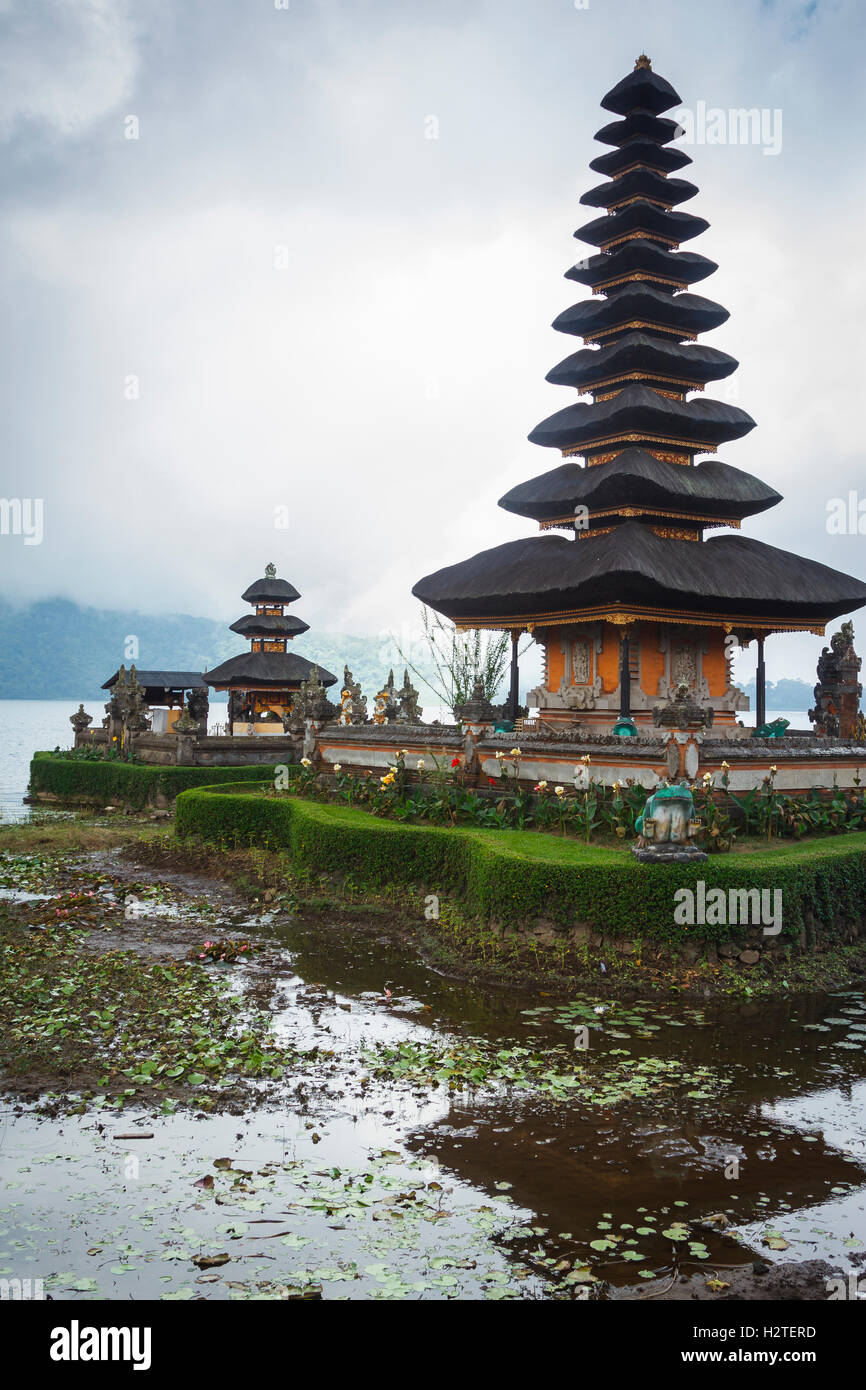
600	1009
708	777
420	764
305	762
394	770
542	785
774	768
337	766
559	791
404	752
499	753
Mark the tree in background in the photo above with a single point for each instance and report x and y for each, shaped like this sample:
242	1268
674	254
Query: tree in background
453	661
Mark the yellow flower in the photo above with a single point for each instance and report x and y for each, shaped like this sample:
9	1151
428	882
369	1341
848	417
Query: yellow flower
586	758
305	762
515	752
725	766
774	768
559	791
499	753
542	785
337	766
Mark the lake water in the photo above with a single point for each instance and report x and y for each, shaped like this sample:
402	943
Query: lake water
30	725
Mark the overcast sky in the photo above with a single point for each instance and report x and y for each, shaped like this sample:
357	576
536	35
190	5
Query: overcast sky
329	312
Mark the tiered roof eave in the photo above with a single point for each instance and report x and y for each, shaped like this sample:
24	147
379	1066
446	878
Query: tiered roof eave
644	500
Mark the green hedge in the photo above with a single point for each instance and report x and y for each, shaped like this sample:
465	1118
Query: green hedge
131	784
514	876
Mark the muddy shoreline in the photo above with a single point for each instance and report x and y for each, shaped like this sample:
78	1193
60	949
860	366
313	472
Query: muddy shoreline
446	1092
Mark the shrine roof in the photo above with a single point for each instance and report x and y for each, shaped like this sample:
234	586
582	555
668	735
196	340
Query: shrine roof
636	409
636	477
164	680
266	668
269	625
270	590
544	576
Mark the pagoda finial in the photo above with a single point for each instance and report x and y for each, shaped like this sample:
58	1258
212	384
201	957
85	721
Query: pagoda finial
642	61
270	571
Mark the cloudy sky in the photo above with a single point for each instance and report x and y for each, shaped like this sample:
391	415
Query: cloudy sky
317	287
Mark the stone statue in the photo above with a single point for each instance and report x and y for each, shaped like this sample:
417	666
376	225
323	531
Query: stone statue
775	728
477	709
667	826
682	710
408	711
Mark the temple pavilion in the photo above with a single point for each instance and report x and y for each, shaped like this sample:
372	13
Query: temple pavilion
636	599
262	682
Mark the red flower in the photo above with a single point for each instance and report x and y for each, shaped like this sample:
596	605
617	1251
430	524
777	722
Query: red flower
455	762
492	781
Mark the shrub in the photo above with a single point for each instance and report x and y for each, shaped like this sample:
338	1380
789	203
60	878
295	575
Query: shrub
132	784
515	876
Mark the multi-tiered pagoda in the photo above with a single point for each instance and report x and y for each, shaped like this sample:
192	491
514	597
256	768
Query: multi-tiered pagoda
640	601
262	682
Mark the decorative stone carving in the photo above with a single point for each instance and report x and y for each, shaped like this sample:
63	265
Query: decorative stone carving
80	721
408	710
126	709
838	692
667	826
576	696
310	702
477	709
353	704
186	724
198	704
581	662
682	710
684	664
385	706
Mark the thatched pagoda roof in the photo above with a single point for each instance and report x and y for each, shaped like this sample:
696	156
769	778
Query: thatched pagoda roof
265	669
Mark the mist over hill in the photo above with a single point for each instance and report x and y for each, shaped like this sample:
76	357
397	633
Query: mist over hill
57	650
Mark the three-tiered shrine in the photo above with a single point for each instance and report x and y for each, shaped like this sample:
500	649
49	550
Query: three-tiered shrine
640	602
262	683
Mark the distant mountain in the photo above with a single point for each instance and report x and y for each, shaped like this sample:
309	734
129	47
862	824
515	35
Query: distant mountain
55	650
784	694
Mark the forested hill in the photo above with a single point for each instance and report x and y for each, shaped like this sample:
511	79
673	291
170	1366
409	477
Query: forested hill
56	650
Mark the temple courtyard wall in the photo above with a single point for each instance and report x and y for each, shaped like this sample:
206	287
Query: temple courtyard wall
799	762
